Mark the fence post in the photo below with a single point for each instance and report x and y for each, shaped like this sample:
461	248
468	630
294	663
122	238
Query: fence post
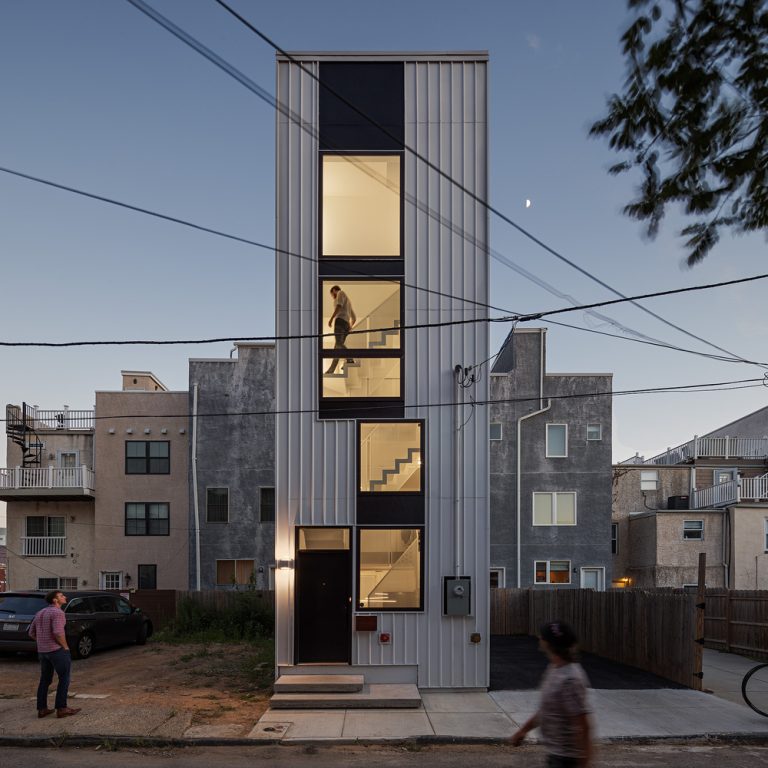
728	621
698	641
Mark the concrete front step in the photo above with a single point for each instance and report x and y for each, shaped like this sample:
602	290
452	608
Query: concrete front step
376	696
319	683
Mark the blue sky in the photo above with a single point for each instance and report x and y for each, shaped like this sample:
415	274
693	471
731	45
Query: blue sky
97	96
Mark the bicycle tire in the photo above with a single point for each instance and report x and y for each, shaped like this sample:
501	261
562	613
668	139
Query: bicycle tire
744	689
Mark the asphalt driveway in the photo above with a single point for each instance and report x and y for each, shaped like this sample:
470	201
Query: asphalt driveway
518	665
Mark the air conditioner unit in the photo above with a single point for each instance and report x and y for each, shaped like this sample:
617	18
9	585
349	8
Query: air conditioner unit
678	502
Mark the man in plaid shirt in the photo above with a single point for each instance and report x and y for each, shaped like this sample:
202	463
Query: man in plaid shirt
47	630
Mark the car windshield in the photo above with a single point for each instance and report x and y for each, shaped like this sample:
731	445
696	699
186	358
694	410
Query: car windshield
24	604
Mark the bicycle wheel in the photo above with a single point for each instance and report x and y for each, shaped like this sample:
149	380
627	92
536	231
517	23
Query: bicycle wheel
754	689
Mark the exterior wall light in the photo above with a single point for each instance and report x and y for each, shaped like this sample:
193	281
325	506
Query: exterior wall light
284	564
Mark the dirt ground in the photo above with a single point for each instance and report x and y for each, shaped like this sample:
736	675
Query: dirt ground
217	683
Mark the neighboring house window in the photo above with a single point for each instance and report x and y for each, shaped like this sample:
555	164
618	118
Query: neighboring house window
554	508
267	505
557	441
552	572
68	582
765	537
594	431
147	518
147	577
68	459
45	537
147	457
497	578
693	530
723	476
217	505
495	430
614	538
390	568
234	572
111	579
48	583
649	479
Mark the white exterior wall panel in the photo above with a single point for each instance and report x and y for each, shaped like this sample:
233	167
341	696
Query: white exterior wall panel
445	235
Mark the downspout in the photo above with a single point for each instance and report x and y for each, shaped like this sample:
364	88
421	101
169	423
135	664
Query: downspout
458	445
726	545
542	409
194	487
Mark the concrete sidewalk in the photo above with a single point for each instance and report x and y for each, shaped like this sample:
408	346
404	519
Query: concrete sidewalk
723	673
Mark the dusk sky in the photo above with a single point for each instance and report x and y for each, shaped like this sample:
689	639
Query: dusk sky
97	96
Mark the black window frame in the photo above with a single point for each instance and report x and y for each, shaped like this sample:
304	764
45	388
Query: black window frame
147	458
614	538
378	508
422	554
147	519
358	258
209	506
262	505
139	578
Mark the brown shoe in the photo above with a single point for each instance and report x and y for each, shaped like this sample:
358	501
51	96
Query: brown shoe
44	712
67	711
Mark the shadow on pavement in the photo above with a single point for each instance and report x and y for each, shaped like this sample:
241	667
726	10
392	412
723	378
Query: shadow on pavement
517	664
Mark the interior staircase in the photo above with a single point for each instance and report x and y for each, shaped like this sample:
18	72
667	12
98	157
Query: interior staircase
396	476
345	691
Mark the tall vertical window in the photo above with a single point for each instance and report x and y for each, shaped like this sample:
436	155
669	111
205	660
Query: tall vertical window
614	538
390	568
217	505
361	205
267	505
494	430
649	479
148	576
557	440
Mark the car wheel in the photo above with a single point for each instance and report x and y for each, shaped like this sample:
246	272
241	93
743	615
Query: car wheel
141	637
83	647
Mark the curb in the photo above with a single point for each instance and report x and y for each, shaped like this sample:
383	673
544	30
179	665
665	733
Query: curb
149	742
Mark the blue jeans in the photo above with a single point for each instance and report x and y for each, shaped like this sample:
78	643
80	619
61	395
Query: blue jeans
56	661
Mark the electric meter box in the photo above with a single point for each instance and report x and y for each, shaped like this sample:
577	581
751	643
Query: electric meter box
457	594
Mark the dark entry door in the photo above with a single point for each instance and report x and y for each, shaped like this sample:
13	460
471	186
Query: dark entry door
323	607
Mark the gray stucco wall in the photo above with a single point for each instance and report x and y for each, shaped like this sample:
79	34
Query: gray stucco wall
235	452
586	469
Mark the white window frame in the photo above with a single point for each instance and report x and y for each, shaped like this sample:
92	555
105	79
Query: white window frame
554	495
601	576
614	538
104	575
655	480
549	565
60	455
732	471
546	441
502	576
599	432
700	530
501	430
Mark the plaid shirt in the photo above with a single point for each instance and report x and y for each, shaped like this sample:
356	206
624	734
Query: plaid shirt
48	622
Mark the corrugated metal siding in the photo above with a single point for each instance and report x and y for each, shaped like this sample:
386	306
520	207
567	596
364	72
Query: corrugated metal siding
315	461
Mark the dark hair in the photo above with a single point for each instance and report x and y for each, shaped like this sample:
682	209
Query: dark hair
560	638
51	596
335	288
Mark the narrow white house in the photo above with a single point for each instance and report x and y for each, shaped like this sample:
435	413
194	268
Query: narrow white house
382	275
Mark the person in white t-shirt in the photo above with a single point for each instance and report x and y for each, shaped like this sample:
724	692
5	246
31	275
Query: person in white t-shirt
342	320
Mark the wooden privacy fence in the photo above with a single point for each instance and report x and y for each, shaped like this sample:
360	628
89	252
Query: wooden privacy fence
161	604
737	620
650	630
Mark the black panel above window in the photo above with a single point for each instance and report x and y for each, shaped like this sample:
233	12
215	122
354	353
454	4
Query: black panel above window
377	90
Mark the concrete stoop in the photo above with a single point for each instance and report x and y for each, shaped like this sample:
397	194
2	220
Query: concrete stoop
341	692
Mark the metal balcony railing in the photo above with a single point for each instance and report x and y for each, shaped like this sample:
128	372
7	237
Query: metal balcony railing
713	448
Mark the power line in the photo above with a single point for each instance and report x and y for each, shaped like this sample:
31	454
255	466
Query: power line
466	321
716	386
492	209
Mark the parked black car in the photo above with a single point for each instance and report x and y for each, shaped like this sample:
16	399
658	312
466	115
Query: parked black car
94	620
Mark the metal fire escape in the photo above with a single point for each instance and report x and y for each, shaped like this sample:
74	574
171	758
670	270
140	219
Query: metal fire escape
20	428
